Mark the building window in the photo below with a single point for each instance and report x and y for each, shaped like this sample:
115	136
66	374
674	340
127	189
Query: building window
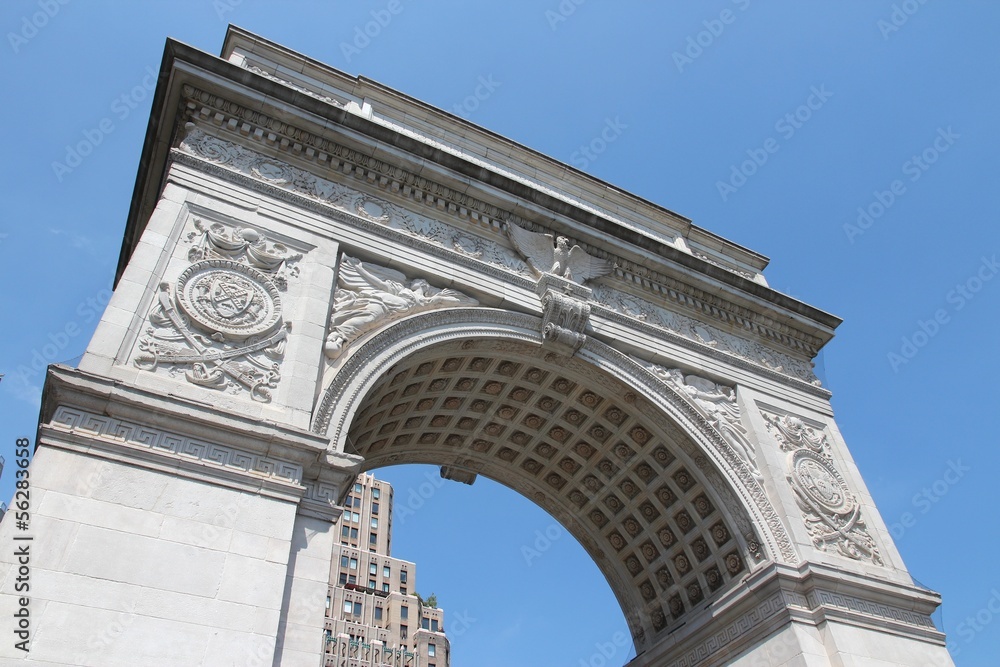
374	508
375	494
343	561
357	488
371	584
347	606
327	601
404	611
378	613
386	572
374	522
385	587
343	578
402	590
431	650
425	623
345	531
403	631
434	625
352	579
357	502
355	517
402	576
357	608
372	538
372	568
354	533
354	563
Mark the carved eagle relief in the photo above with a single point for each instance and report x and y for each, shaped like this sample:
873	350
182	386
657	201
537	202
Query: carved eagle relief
546	253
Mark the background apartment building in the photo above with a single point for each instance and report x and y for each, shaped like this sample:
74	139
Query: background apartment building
374	615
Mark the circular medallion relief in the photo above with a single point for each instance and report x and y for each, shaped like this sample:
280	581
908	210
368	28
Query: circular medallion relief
373	209
228	297
821	482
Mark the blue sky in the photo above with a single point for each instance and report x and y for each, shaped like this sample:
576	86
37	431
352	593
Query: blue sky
877	203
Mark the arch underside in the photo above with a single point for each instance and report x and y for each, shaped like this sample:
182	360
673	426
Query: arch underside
659	520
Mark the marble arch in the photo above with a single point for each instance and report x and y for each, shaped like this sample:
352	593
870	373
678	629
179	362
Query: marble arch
320	273
662	503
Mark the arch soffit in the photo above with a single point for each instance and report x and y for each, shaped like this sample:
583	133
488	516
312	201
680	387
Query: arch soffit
726	477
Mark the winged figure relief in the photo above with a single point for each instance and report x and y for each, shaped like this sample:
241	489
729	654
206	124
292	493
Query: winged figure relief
368	295
546	253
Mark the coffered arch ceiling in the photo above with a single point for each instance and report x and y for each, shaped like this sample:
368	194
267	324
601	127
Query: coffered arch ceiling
655	513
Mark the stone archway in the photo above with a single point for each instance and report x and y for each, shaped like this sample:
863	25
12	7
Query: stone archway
199	412
654	494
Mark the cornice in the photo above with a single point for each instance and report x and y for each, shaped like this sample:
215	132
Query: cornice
371	136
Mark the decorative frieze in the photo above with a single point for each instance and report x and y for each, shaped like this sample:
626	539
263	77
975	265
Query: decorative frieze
167	443
703	333
830	511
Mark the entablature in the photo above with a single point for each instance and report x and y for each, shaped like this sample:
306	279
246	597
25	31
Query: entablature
665	273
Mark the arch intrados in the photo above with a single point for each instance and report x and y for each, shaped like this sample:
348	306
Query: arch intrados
436	337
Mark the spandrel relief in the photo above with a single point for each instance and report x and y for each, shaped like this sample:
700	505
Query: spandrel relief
717	404
369	296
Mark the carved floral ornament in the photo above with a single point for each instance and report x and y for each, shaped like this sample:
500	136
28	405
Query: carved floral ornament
496	258
831	512
221	322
